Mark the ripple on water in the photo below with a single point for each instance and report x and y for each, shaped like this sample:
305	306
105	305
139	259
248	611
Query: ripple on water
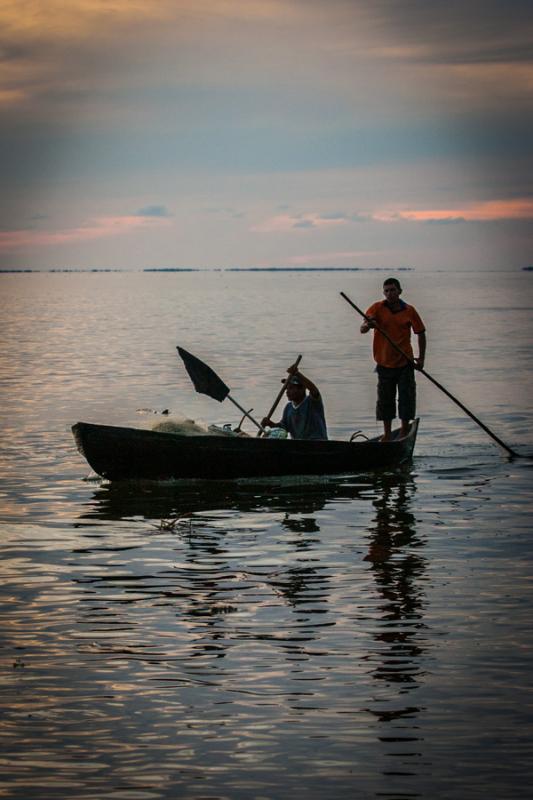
353	638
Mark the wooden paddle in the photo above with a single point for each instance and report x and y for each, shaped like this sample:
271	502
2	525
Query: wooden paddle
206	381
429	377
278	398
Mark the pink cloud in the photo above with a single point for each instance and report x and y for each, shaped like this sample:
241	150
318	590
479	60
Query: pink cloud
101	228
490	211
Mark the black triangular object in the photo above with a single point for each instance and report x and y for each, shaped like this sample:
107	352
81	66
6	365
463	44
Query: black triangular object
204	379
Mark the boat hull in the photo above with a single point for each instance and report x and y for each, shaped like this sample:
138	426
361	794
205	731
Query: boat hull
119	454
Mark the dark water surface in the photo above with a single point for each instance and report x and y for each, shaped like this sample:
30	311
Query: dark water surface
368	637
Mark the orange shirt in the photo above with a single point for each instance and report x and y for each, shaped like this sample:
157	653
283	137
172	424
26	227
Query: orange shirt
398	326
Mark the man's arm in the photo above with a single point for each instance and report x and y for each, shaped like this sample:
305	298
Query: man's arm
370	319
266	422
309	385
422	343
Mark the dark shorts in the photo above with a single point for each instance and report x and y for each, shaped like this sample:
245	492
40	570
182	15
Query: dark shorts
399	380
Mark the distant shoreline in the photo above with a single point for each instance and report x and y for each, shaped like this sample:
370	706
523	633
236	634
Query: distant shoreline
390	270
219	269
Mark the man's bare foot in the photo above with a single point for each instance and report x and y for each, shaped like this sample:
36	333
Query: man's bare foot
387	430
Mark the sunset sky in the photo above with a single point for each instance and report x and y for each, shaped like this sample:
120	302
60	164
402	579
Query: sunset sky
264	133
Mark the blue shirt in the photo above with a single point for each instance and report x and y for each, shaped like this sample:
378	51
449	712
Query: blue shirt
307	421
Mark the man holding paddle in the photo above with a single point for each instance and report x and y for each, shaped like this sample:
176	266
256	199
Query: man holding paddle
303	416
395	371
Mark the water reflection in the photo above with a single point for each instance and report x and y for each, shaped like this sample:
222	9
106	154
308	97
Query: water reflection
152	500
398	570
398	567
393	544
243	622
303	525
394	555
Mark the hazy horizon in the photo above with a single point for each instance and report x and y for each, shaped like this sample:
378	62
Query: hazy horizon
263	133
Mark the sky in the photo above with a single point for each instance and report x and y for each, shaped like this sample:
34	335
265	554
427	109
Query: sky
266	133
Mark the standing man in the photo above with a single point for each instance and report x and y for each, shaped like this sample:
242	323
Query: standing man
395	373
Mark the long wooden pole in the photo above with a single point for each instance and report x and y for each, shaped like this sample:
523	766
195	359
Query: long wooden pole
278	398
511	452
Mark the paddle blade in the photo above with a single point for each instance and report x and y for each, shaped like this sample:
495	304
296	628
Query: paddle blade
204	379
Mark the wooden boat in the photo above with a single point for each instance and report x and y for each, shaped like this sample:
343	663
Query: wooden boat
119	454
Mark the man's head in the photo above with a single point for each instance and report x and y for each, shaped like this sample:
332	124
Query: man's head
392	290
295	389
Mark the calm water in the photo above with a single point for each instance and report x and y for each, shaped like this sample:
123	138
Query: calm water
363	638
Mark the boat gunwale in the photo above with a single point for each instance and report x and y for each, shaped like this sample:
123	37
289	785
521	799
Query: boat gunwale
245	441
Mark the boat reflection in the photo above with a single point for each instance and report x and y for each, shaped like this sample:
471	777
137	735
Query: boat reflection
393	544
173	500
305	599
